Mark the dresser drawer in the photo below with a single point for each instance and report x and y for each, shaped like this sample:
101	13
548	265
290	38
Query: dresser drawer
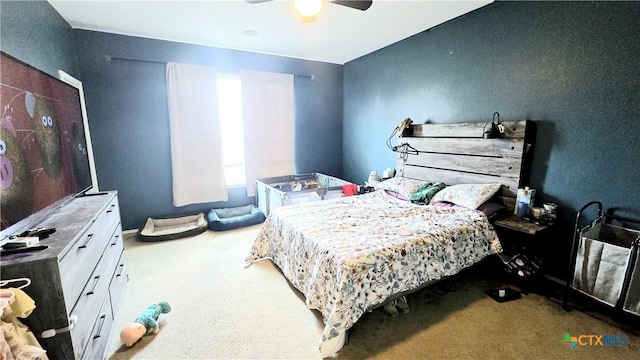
100	333
113	252
118	285
95	291
79	262
88	306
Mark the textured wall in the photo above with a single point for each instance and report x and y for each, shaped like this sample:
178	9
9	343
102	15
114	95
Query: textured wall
35	33
127	109
570	66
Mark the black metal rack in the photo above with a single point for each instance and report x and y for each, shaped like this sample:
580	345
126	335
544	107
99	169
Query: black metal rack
619	239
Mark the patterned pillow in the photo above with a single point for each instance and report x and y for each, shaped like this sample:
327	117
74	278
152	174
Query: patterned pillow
403	187
468	195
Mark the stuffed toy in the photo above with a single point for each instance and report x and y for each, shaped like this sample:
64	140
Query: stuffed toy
145	324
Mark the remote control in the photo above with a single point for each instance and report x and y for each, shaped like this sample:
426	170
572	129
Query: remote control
22	250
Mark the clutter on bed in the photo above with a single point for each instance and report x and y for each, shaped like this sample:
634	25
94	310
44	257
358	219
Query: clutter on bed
172	227
472	196
468	195
456	153
425	192
350	189
234	217
400	186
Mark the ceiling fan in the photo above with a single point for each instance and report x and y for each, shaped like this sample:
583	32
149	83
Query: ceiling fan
309	9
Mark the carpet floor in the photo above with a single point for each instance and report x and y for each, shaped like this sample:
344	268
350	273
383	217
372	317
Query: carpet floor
222	310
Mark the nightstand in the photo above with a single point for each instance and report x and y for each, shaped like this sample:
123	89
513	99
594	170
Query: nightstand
521	225
523	246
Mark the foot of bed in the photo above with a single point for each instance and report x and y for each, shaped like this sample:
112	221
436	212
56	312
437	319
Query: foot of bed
331	347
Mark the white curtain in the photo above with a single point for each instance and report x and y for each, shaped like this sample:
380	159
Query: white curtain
196	148
268	112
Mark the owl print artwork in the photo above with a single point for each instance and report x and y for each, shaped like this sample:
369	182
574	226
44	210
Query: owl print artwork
43	155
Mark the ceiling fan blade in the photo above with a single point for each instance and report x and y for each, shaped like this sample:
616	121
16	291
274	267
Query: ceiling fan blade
354	4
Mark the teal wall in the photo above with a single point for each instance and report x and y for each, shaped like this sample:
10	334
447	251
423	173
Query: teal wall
572	67
35	33
127	108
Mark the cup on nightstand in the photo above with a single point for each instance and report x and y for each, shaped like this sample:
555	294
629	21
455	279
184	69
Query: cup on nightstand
536	212
550	211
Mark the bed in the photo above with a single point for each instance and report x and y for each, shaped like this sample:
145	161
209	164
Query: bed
352	254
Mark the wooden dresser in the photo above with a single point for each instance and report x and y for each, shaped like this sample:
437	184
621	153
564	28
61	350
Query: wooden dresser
79	281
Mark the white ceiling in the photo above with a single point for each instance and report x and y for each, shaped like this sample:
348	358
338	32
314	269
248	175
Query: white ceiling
340	34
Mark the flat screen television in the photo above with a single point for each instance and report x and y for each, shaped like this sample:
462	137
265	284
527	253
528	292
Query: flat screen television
44	145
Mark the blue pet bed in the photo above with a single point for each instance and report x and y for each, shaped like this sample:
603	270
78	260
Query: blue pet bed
234	218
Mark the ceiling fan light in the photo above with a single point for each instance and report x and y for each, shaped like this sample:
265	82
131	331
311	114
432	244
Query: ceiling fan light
308	8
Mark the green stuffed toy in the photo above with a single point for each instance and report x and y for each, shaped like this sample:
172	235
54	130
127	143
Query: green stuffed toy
145	324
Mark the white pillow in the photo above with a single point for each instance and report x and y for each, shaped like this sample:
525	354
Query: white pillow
468	195
403	187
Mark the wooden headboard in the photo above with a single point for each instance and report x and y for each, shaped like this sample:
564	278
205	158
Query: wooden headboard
457	153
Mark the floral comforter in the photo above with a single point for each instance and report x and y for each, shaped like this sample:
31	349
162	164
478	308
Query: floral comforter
349	254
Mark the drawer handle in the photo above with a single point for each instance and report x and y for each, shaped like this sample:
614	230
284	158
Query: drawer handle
102	318
121	266
86	243
111	209
95	284
115	240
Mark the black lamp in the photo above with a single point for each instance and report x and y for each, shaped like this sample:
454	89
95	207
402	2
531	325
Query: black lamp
496	130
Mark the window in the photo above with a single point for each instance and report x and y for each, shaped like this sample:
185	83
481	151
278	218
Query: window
230	105
264	100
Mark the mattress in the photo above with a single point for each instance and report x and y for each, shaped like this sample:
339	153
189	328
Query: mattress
351	254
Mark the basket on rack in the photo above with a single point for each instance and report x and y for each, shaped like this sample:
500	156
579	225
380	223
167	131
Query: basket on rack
604	262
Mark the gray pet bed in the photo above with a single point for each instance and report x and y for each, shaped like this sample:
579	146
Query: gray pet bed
234	218
169	228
